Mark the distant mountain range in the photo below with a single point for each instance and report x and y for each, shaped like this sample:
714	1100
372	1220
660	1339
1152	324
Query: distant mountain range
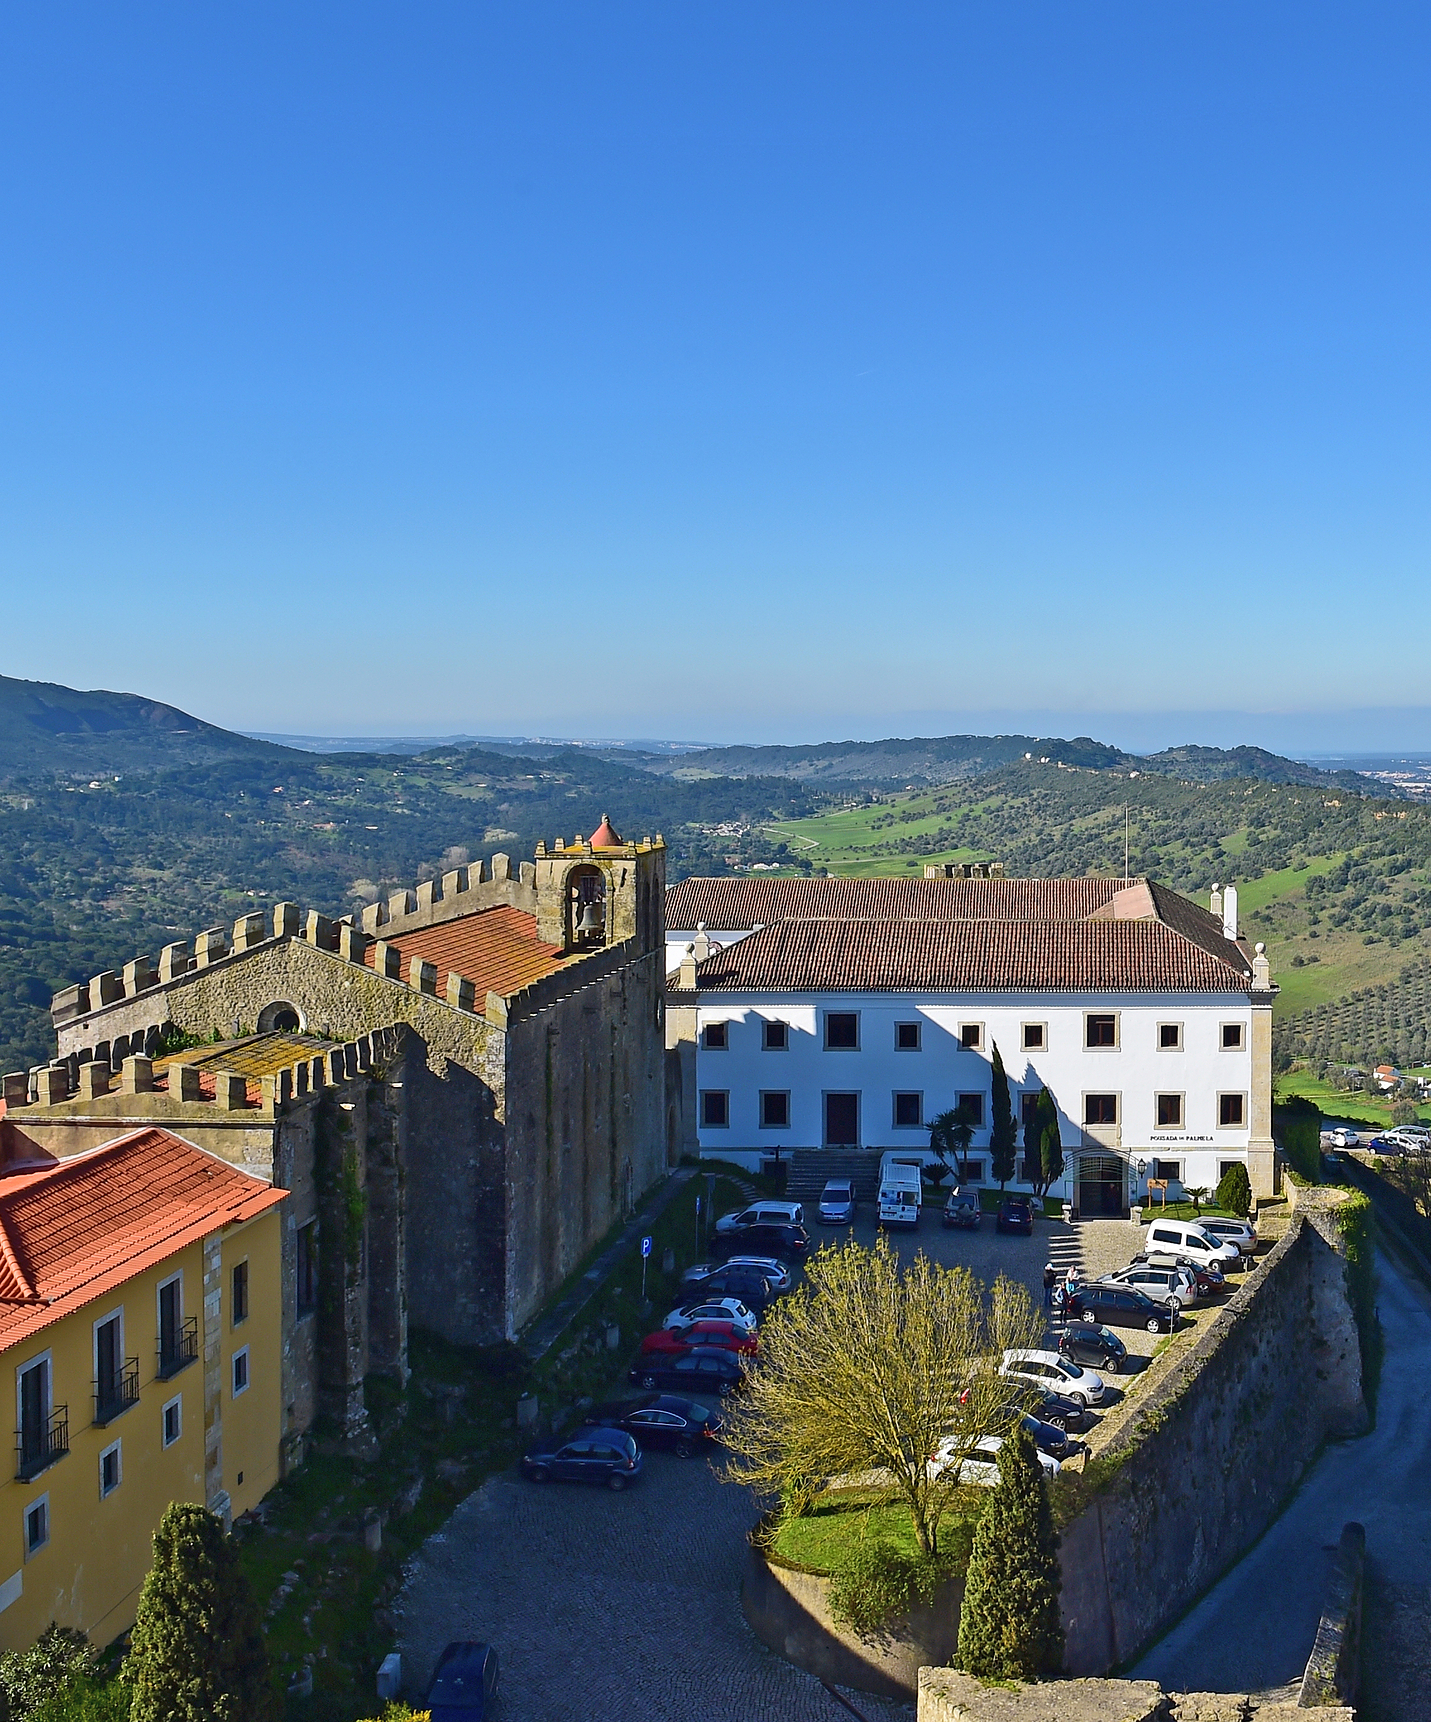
45	727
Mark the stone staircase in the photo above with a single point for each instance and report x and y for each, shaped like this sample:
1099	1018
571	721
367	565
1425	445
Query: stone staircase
812	1168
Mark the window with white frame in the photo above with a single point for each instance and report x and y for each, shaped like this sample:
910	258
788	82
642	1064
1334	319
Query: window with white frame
111	1469
172	1420
1035	1036
1231	1111
971	1036
842	1030
1170	1037
240	1371
775	1036
1169	1113
716	1037
906	1037
1232	1037
775	1109
37	1525
715	1108
908	1111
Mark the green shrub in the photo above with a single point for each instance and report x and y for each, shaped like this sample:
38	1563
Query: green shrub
874	1582
1354	1222
1234	1190
1009	1625
29	1677
1297	1124
84	1700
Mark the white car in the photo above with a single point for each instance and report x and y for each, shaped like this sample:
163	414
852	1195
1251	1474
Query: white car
761	1214
1052	1373
1239	1232
711	1309
982	1465
1408	1139
1341	1137
1172	1283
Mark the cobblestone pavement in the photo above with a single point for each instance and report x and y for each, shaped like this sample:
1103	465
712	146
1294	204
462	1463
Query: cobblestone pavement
607	1607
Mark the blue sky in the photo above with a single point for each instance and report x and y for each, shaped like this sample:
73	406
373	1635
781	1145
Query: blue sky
733	372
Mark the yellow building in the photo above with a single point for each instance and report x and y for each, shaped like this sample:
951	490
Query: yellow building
140	1307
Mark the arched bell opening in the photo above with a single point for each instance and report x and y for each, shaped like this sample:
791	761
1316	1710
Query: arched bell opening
586	908
280	1017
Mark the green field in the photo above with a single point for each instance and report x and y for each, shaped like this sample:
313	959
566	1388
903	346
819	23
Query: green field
1369	1109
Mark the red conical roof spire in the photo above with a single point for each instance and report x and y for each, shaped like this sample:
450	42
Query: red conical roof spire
604	837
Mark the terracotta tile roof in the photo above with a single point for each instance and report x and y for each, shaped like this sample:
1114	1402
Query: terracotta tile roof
496	949
75	1231
751	902
903	955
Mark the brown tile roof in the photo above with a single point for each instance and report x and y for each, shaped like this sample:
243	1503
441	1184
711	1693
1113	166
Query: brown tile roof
75	1231
496	949
751	902
904	955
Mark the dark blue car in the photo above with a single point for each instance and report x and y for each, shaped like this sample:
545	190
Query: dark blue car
464	1683
607	1456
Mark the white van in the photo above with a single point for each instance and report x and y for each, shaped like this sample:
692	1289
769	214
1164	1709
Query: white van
900	1189
1187	1238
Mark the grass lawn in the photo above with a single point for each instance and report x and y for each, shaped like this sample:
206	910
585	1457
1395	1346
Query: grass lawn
823	1535
1186	1211
1370	1109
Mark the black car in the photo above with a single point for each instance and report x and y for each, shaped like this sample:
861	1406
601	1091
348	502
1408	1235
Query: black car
753	1289
1098	1347
789	1242
1122	1306
660	1420
1048	1437
464	1684
1060	1412
697	1369
603	1455
1015	1215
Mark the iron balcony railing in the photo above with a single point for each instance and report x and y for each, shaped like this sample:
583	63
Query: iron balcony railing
123	1392
182	1350
38	1445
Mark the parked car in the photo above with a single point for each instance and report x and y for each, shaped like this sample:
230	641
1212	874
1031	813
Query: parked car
760	1214
775	1273
837	1202
1048	1370
464	1684
752	1289
982	1465
1341	1136
694	1369
1187	1238
1048	1437
726	1334
608	1456
1406	1140
784	1239
710	1309
1015	1215
1240	1232
1210	1279
1092	1347
963	1208
1059	1411
1161	1283
1122	1306
660	1420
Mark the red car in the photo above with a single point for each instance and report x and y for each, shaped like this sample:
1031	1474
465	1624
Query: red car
725	1334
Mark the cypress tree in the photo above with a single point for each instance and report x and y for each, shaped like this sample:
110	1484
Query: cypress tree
1234	1190
197	1654
1050	1144
1008	1625
1002	1141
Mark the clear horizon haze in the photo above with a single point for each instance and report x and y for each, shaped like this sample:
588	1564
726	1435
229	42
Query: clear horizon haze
728	374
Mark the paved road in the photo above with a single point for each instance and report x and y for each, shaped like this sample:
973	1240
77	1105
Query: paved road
606	1607
1254	1630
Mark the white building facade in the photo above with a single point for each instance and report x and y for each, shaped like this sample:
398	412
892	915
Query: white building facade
1145	1016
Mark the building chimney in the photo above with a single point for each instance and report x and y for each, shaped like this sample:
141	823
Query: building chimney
1229	911
1216	903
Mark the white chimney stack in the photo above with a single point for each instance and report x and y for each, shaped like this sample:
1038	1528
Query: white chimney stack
1216	903
1229	911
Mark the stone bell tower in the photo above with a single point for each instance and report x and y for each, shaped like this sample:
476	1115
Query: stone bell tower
599	891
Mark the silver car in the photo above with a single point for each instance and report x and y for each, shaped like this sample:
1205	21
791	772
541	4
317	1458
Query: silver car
1164	1285
1239	1232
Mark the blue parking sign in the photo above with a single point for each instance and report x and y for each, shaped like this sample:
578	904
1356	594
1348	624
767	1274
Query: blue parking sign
645	1246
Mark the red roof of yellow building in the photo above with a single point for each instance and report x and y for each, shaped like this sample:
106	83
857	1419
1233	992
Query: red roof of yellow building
496	949
74	1230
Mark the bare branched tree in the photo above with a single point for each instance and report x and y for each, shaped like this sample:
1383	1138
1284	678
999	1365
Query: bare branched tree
868	1371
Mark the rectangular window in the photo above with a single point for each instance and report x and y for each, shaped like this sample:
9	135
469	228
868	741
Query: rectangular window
306	1262
1170	1037
37	1525
1224	1167
715	1109
111	1470
1170	1112
1028	1105
1100	1109
906	1037
108	1365
842	1029
973	1172
971	1036
1232	1037
776	1036
842	1120
240	1293
1231	1110
908	1111
1172	1170
775	1111
972	1106
173	1420
240	1372
34	1395
1035	1036
1100	1028
716	1036
171	1320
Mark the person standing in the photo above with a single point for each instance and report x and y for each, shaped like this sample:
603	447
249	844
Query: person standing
1050	1280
